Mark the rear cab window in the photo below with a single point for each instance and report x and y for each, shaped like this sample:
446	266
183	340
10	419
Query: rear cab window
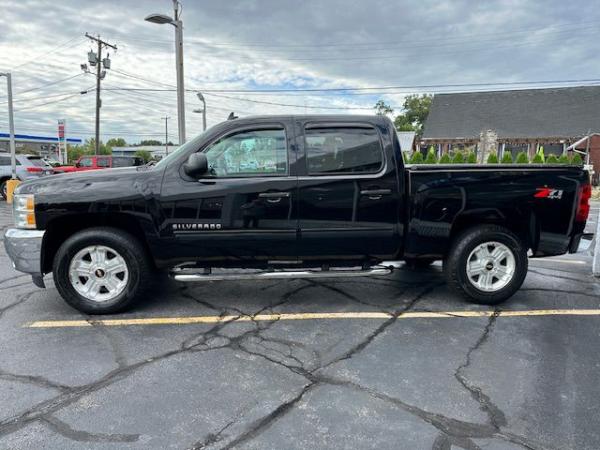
343	150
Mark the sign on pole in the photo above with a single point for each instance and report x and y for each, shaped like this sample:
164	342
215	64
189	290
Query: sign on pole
62	141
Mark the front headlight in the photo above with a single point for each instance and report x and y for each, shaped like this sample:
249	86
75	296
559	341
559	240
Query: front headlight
24	210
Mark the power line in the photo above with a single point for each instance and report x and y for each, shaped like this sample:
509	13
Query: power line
55	49
349	108
571	27
376	89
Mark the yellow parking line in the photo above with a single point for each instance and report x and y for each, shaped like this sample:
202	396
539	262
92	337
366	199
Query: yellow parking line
305	316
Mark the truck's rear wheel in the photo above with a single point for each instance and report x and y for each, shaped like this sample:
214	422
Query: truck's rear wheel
486	264
101	270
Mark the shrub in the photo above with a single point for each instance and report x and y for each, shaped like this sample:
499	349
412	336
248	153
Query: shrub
406	157
507	158
431	156
458	158
522	158
471	157
577	160
445	159
564	159
552	159
416	158
492	158
538	158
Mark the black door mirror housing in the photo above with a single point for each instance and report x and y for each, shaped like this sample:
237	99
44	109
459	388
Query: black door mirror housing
196	165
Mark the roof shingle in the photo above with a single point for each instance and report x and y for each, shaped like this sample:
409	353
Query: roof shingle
527	113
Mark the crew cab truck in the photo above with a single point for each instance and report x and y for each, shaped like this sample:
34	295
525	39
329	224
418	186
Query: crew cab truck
292	196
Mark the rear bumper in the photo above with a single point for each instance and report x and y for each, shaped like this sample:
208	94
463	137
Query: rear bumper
24	247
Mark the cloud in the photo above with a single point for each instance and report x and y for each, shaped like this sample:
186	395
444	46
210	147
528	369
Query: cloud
278	44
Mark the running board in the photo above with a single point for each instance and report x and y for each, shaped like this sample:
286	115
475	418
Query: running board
188	275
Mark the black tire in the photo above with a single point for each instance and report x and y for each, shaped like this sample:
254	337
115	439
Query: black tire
418	263
127	246
3	188
455	264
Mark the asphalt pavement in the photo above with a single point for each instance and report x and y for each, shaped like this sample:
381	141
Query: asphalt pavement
390	362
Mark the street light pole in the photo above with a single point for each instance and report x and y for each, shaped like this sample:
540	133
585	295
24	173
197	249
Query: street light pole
201	98
11	125
179	62
178	24
166	119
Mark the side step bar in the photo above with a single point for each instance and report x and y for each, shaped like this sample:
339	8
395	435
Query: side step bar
190	275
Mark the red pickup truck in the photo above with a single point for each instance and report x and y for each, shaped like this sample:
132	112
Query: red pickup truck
100	162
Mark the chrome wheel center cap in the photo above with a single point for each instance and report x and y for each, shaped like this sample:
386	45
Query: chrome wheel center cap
99	273
489	265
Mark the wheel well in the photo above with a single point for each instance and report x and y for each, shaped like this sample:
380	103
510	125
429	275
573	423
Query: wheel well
525	228
61	228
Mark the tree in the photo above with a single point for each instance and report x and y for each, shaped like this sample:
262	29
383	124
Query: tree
507	158
492	158
144	154
150	142
416	158
458	158
445	159
577	160
415	110
522	158
90	147
431	156
471	157
382	108
116	142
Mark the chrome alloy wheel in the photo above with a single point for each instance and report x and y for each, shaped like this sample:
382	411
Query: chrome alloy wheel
98	273
490	266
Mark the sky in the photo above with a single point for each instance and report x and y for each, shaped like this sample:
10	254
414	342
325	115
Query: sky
257	45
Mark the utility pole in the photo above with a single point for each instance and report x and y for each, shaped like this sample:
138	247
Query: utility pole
95	59
203	110
11	125
166	119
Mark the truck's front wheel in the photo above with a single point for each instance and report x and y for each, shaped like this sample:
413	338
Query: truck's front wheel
486	264
101	270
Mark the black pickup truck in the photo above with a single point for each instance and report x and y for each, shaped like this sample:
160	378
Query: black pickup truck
292	196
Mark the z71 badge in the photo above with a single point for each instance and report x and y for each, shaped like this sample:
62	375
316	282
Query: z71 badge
552	194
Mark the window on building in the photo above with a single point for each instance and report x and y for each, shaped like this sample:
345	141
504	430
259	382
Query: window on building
343	150
249	153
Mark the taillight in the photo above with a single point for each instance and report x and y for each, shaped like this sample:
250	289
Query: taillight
583	208
34	169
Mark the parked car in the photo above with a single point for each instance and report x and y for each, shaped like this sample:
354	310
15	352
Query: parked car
28	167
336	200
100	162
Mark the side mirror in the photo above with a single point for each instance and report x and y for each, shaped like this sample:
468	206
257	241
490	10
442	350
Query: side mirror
196	165
77	164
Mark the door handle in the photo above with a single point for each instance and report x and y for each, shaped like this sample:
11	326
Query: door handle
274	197
376	194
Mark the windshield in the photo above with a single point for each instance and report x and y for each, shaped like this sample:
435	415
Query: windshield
175	153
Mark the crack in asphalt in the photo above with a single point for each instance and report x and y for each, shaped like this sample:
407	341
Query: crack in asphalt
495	415
65	430
253	342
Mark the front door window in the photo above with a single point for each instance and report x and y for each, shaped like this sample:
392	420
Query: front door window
253	153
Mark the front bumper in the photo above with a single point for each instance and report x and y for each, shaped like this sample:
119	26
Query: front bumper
24	247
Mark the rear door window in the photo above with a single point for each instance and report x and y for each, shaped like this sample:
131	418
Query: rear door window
343	150
103	162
